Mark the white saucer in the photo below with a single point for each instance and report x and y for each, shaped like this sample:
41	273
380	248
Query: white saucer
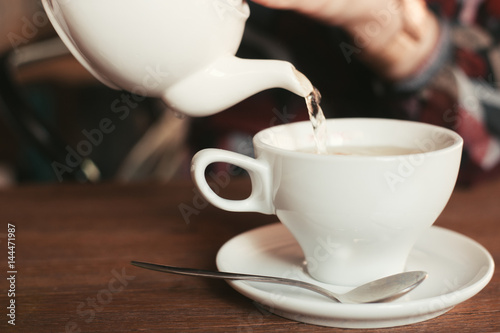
458	268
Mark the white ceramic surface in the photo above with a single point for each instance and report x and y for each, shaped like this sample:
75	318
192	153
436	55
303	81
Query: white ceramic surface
355	217
458	269
180	51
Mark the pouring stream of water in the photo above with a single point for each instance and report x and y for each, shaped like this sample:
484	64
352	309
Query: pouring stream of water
318	122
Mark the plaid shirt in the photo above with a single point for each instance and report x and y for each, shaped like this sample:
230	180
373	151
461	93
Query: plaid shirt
456	88
463	93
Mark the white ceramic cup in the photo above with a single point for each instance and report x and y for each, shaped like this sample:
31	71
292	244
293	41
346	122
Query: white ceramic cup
356	218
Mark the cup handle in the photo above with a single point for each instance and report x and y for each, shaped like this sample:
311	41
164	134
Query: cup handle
259	201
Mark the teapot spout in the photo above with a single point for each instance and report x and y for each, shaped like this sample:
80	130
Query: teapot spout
230	80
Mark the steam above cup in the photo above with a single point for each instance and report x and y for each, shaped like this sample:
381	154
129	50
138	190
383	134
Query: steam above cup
180	51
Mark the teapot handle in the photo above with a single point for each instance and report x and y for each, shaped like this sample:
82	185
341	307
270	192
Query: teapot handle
260	199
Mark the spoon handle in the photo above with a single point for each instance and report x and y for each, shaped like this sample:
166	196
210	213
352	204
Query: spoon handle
236	276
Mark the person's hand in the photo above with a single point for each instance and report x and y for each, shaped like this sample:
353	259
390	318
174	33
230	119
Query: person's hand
394	36
336	12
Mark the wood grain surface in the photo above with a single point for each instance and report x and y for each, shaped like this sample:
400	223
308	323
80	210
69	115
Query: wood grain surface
74	244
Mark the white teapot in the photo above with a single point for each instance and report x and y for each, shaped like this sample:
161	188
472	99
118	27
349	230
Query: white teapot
182	51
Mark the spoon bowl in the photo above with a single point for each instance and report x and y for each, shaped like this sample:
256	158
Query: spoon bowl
381	290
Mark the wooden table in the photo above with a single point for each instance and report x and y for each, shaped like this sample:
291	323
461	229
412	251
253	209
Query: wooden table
74	243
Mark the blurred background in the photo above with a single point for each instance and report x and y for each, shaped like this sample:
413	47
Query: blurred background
58	123
52	113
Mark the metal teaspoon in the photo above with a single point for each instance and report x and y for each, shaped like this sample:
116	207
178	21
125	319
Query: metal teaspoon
381	290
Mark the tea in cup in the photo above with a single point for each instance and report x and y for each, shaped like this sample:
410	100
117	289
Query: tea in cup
356	211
